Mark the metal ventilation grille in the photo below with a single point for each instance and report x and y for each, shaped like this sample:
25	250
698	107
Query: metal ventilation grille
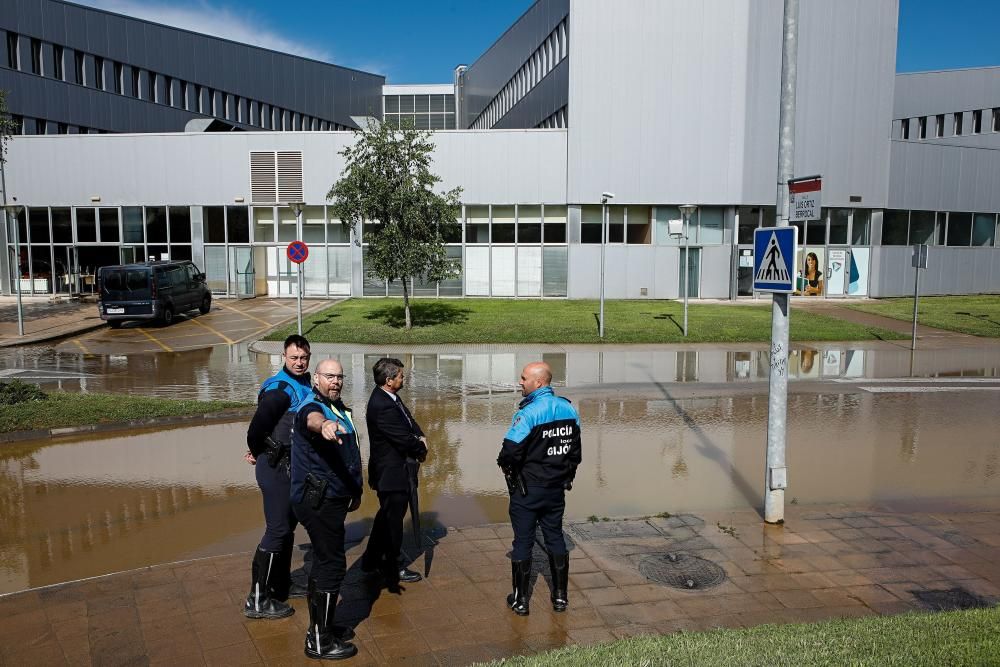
289	176
263	178
275	177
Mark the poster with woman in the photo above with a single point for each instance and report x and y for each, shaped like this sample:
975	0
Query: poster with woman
810	280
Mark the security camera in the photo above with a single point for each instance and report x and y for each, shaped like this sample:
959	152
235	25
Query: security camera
607	195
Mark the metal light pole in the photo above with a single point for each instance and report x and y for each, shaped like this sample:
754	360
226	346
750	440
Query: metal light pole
11	210
687	210
775	474
605	196
297	207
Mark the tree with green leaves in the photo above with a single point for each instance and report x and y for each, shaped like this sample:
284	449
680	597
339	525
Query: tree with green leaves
387	180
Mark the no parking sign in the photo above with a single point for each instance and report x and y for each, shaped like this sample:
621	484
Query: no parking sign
297	251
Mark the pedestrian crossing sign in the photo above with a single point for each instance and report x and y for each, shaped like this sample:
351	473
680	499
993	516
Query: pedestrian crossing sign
774	259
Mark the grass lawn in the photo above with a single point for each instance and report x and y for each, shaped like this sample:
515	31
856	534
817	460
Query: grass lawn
440	321
65	409
978	315
950	638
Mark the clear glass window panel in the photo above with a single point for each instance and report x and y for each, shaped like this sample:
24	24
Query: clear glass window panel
449	121
421	103
529	213
180	224
839	218
802	231
861	227
922	227
263	224
477	271
215	224
529	271
711	223
436	121
477	214
616	224
314	269
983	229
336	232
749	217
942	226
503	271
503	214
503	233
38	222
663	215
437	103
86	225
554	272
959	229
452	286
371	284
422	122
339	271
590	233
477	233
133	224
395	288
449	103
286	224
392	103
424	288
555	232
555	213
215	269
62	226
314	215
41	270
238	221
108	218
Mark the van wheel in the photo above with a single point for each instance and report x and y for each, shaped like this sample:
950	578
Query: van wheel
168	316
115	324
206	305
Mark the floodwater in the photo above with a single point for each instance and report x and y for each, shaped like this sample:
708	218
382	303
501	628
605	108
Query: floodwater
664	430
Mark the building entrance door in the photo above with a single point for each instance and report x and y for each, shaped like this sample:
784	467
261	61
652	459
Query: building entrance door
241	272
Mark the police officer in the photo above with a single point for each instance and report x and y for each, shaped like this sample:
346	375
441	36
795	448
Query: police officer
539	457
269	439
326	485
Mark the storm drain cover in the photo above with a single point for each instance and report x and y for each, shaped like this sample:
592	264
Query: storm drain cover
950	599
681	570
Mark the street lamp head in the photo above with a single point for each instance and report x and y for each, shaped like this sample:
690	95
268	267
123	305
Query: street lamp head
605	196
687	210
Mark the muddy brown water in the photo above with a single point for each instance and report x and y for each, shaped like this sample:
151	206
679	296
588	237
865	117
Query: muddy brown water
653	442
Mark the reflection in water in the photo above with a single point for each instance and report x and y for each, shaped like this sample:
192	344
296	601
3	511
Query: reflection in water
71	509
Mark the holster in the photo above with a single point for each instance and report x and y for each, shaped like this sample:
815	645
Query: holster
314	491
276	451
515	481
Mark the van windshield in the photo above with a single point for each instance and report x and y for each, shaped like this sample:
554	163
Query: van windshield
125	284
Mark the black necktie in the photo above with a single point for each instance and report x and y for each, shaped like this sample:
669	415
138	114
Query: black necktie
399	404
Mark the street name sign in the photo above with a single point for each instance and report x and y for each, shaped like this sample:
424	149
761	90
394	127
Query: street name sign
804	198
774	259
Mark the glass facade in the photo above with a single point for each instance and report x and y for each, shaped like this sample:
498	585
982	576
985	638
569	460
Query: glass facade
424	112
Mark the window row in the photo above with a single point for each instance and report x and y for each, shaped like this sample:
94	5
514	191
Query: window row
950	125
93	71
425	121
25	125
559	119
943	228
438	103
835	227
130	224
513	224
552	51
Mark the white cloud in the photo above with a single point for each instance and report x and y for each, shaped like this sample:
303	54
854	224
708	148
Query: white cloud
224	22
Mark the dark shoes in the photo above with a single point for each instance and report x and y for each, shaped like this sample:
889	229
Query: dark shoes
261	602
559	569
407	576
520	576
324	640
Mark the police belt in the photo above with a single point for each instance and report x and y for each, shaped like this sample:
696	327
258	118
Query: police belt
276	451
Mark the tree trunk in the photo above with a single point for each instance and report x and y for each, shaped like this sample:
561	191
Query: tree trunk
406	305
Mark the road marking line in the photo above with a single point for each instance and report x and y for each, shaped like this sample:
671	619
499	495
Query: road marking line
81	346
252	317
923	390
214	330
153	338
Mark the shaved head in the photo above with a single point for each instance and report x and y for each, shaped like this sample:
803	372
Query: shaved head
534	375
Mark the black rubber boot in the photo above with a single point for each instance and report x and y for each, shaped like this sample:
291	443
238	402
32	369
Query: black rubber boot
520	576
283	586
260	602
322	642
559	568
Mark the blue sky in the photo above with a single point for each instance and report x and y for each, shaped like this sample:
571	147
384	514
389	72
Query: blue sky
422	42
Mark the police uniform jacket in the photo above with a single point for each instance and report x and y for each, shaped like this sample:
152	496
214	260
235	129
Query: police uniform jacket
279	398
338	464
544	440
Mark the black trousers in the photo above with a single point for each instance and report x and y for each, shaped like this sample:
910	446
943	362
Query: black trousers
386	539
279	519
542	506
326	532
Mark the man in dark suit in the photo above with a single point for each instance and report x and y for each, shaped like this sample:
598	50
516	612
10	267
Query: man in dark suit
398	446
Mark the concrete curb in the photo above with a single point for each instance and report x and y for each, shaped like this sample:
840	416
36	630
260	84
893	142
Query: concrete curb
180	420
47	337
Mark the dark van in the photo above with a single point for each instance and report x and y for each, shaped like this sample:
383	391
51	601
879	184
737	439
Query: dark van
150	291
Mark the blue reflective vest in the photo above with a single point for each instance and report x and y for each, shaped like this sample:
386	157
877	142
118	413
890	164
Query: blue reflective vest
299	389
338	464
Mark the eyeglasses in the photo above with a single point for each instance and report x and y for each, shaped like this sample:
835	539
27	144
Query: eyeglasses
330	377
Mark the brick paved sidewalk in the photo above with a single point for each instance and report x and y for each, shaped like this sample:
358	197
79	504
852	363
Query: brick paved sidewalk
825	563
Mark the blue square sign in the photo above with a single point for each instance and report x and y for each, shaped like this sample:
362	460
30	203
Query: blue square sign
774	259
